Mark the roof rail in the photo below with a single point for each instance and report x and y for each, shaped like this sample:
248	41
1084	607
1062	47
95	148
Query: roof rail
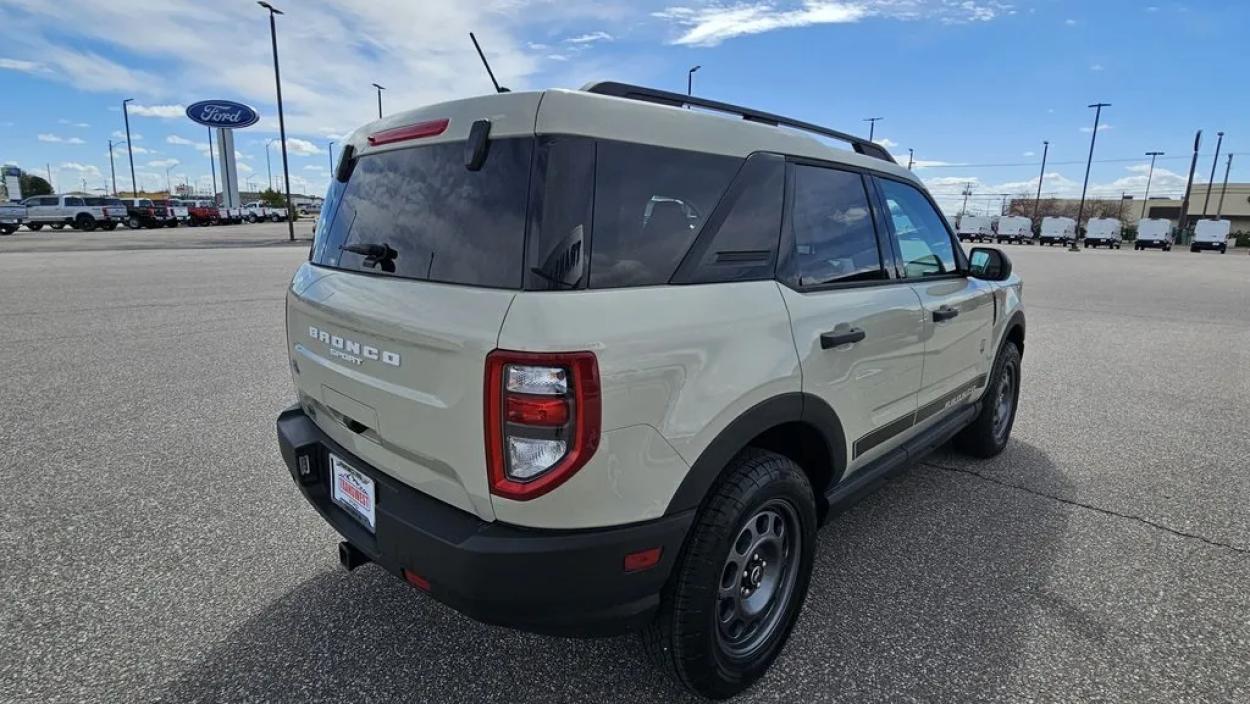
677	100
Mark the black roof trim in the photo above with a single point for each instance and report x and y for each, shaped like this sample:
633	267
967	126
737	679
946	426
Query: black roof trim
677	100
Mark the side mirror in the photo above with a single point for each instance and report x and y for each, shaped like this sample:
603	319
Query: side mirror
989	264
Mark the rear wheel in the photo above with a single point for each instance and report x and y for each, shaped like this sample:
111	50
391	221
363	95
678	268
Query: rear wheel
85	222
8	229
738	586
57	226
987	435
109	227
35	226
133	222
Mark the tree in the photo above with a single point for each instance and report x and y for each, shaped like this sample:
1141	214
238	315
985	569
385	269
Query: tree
33	185
272	198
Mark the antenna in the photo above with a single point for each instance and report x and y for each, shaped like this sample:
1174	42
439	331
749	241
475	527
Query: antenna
498	88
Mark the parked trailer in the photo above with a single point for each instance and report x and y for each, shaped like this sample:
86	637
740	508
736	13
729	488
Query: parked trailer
1104	231
1015	229
975	228
1057	230
1154	233
1211	234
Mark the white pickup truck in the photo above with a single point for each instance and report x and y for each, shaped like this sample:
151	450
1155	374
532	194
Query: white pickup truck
12	215
1211	234
79	212
257	211
1153	232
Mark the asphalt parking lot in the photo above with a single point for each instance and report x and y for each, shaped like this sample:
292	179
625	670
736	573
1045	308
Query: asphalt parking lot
156	549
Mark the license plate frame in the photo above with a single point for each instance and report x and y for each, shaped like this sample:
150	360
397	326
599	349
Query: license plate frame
354	492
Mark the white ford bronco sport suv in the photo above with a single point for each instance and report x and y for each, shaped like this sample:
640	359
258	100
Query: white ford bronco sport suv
585	362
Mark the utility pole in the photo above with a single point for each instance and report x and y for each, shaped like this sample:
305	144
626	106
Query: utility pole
911	158
1189	186
380	89
967	192
268	169
129	150
1219	142
112	168
1093	138
49	168
1219	209
1037	202
872	125
1149	177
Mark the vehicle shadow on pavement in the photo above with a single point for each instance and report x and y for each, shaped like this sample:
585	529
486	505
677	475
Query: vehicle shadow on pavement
925	590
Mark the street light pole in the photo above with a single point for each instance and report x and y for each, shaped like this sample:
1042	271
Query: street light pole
134	188
330	149
277	79
690	79
380	89
1037	202
169	185
872	126
1219	209
268	169
1093	138
1189	186
911	158
1149	177
1219	142
112	168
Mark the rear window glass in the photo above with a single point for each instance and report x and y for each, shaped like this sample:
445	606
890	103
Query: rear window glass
442	221
650	203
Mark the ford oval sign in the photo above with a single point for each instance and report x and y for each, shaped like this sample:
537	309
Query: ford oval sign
226	114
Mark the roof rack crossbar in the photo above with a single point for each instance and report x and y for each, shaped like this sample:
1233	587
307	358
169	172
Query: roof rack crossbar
677	100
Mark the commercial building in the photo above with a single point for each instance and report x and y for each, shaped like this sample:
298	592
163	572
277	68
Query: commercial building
1235	208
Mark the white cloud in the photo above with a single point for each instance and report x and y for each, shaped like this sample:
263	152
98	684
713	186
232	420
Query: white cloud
20	65
1101	128
301	147
590	38
243	168
1029	154
134	136
87	170
886	142
312	167
1095	67
711	24
538	47
1070	22
175	139
47	137
163	163
557	57
163	111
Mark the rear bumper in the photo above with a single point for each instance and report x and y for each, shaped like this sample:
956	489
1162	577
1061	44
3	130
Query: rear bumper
1160	244
569	583
1207	245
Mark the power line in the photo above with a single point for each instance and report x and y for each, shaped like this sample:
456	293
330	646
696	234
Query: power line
1052	163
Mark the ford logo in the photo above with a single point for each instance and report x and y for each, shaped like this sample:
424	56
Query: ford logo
226	114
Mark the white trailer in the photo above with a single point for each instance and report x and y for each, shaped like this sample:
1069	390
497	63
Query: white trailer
1057	230
975	228
1104	231
1211	234
1014	229
1152	233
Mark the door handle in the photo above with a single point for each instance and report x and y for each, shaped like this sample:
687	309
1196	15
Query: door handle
837	338
944	313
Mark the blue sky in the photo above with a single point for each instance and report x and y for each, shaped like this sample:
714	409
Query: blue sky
963	82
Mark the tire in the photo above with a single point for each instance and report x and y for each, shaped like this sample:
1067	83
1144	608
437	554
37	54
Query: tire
275	217
1193	249
251	218
988	433
133	222
34	226
687	638
86	223
171	223
1223	249
109	227
7	230
57	226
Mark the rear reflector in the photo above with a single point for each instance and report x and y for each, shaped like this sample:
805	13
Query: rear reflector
417	131
537	410
417	580
643	559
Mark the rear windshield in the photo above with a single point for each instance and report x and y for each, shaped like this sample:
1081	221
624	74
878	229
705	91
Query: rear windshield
552	213
444	222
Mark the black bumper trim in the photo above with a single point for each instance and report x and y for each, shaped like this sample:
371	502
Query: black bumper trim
559	582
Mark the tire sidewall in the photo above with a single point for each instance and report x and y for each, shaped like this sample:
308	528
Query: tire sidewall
1009	355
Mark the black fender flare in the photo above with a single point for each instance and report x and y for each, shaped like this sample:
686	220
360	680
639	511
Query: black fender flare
763	416
1016	321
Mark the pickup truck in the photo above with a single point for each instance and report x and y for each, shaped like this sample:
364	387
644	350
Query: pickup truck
79	212
257	211
202	212
176	212
144	212
12	215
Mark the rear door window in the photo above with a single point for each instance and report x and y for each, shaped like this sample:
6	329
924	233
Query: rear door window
832	229
443	222
650	204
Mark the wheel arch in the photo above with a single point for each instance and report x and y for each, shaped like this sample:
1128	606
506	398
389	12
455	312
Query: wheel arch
799	425
1015	331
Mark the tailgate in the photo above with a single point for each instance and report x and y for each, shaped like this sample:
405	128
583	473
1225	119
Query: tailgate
395	369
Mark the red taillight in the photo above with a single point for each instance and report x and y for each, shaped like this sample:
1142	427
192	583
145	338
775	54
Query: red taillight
417	131
542	419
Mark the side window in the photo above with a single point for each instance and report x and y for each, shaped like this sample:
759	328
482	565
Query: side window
650	203
560	213
740	241
923	240
835	240
73	202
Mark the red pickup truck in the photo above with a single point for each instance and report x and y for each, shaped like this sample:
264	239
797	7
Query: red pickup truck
203	212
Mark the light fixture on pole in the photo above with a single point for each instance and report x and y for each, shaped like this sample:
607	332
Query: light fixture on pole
380	89
1093	138
126	114
690	79
1219	142
1149	177
872	126
277	79
330	151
